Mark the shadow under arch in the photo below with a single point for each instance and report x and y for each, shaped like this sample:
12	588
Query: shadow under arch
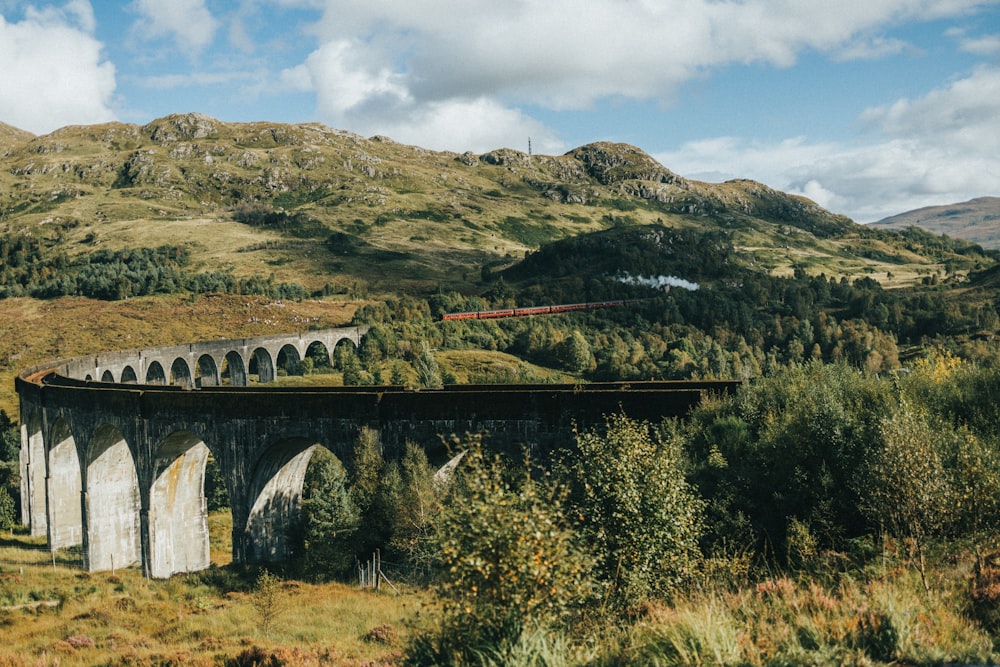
107	376
206	372
277	499
180	373
233	371
288	360
262	365
112	502
155	373
178	516
129	376
65	488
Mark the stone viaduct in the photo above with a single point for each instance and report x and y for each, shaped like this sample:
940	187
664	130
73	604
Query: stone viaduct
114	447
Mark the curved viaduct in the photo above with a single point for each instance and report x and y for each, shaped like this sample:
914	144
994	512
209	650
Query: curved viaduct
114	446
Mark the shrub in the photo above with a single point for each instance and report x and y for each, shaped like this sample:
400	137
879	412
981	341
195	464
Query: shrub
509	562
635	510
266	600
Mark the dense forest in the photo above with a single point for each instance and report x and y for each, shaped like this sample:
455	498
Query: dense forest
26	269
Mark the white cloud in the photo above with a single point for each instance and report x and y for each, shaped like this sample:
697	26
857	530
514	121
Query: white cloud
376	101
390	60
941	148
988	45
52	71
964	115
872	49
188	22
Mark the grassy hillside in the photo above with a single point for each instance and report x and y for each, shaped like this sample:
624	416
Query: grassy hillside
322	207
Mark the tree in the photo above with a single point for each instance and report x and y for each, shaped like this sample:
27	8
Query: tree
367	480
636	509
8	510
329	516
428	372
413	499
574	353
267	600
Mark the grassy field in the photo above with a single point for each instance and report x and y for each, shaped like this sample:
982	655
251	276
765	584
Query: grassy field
60	615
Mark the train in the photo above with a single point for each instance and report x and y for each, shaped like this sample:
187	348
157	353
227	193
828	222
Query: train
536	310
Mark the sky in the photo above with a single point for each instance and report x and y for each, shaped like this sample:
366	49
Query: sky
868	107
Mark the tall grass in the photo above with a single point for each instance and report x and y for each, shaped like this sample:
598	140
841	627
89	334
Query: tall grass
203	619
784	621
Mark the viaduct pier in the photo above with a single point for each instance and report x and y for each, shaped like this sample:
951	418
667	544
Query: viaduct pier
114	446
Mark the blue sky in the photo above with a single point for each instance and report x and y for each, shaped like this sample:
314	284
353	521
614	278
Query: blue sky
869	107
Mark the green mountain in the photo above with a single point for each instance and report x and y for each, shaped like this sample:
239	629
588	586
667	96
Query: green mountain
110	235
977	220
332	210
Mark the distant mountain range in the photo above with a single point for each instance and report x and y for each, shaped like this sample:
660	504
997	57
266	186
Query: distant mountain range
977	220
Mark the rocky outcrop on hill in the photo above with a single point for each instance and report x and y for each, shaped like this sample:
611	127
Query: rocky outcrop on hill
612	163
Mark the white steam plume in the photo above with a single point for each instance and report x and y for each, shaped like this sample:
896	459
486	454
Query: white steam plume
658	282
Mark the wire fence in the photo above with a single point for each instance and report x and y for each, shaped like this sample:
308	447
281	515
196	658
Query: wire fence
19	551
376	573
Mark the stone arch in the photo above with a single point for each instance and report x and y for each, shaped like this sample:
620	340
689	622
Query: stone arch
112	502
180	373
155	373
206	373
65	488
288	360
320	355
88	377
262	365
107	376
276	497
178	518
129	376
33	474
233	370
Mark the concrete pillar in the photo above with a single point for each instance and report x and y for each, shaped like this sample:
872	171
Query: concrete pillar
64	485
177	527
111	503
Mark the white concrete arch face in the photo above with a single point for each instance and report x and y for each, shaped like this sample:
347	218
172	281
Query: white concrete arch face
34	513
112	503
277	498
65	489
178	519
